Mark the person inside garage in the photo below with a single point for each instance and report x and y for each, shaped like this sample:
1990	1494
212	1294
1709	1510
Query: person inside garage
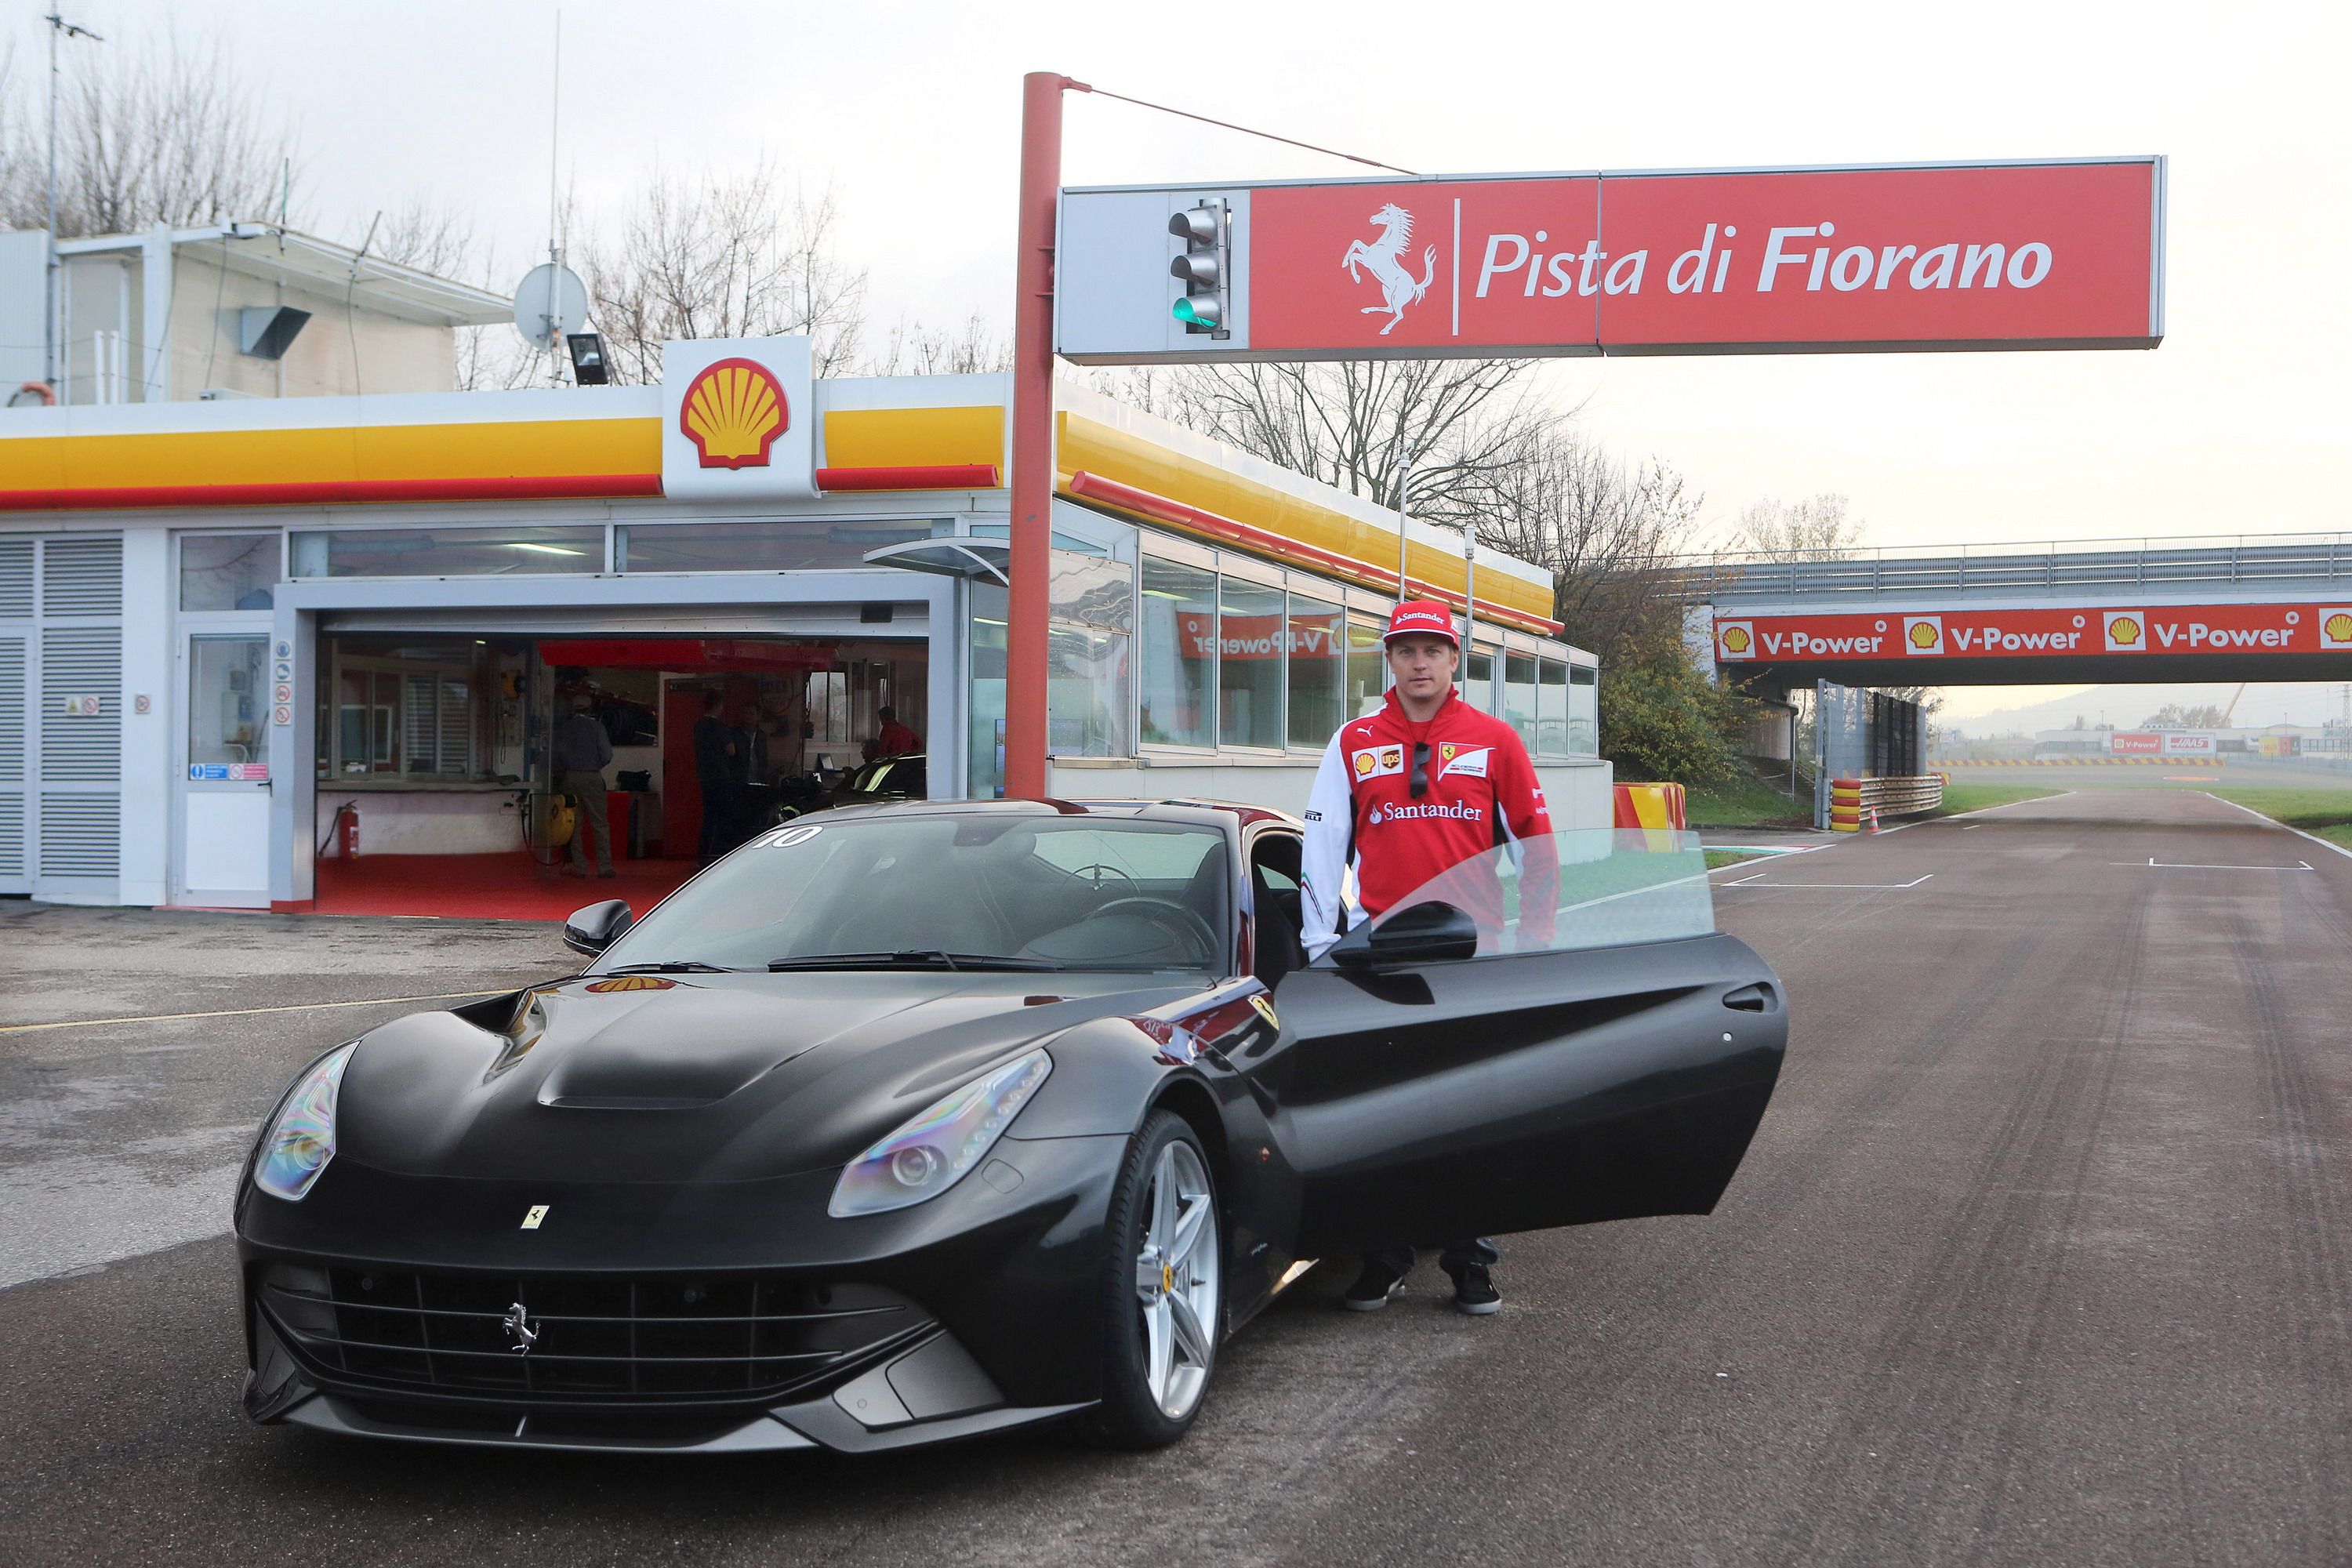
580	752
893	740
1419	788
714	773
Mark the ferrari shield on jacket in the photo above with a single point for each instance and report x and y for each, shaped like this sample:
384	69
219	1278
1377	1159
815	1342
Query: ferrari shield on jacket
1477	790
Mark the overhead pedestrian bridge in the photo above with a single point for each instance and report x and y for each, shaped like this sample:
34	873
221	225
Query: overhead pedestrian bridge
2248	608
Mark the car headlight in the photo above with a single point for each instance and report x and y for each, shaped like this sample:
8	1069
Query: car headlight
300	1138
933	1152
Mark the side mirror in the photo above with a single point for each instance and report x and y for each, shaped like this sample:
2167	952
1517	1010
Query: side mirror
592	929
1426	933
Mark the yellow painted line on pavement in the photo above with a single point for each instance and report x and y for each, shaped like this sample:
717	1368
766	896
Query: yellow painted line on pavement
237	1012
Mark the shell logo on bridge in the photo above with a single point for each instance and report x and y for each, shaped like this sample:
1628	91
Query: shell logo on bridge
1922	634
2336	628
2125	634
1736	639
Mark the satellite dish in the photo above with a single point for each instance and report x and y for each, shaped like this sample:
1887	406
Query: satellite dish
548	302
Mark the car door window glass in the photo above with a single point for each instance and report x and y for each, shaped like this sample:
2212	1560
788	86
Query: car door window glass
1586	888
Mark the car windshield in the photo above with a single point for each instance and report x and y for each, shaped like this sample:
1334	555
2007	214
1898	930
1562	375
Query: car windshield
929	890
1584	889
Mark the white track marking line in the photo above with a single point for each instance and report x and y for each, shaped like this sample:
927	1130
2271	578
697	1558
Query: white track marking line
1972	827
2274	822
2155	864
236	1012
1842	887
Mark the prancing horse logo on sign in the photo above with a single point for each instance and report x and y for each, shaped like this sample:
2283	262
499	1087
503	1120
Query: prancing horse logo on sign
1399	288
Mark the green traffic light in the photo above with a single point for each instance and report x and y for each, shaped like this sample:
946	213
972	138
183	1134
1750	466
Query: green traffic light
1197	312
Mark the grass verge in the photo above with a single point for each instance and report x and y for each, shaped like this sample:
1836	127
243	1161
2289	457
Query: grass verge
1746	802
2322	813
1718	859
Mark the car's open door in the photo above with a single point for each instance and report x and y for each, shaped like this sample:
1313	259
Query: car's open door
1459	1067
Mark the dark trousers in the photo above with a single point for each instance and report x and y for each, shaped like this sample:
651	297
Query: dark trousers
718	822
1457	1255
586	788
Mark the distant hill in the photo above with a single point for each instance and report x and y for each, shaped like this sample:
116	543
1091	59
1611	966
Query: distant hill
2126	706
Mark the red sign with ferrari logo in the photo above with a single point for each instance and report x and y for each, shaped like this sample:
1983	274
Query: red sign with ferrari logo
2048	255
2035	633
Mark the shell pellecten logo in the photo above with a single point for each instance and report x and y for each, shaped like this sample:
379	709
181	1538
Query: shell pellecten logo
1735	639
2339	627
2124	630
1923	635
733	411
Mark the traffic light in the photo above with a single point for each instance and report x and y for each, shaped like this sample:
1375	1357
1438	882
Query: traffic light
1205	267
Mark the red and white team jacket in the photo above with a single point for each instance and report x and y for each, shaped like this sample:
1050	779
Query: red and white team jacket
1482	791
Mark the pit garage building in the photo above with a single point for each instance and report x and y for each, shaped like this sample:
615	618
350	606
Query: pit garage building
308	653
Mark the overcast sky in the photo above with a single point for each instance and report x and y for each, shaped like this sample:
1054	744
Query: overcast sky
2240	423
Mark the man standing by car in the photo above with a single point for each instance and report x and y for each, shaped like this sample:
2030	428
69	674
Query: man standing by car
714	771
580	751
1415	789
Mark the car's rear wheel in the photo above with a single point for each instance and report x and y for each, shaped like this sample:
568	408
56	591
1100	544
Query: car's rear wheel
1164	1288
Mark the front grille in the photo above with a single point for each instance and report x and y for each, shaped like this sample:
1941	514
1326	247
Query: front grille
657	1338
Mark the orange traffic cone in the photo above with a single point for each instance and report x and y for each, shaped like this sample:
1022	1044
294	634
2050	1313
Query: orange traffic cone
1874	819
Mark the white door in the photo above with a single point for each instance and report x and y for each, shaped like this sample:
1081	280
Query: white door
223	792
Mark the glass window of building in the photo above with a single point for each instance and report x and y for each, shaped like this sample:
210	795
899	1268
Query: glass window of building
1180	644
1368	673
1318	663
1249	666
1478	679
791	546
408	712
227	570
227	720
984	771
450	551
1087	681
1583	712
1551	709
1519	696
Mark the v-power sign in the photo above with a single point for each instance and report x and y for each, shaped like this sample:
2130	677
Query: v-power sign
2052	254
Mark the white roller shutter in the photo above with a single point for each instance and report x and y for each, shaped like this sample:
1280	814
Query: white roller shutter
61	771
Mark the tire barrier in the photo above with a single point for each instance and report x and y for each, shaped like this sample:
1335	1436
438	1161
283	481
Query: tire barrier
1856	802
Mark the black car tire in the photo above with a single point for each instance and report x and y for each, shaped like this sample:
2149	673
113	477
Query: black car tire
1128	1417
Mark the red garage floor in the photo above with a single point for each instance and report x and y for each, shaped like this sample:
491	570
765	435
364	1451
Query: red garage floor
484	887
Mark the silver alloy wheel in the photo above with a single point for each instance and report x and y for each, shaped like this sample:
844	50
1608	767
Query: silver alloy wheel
1177	1281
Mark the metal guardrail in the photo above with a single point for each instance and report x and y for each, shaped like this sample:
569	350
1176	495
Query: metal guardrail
1855	804
2061	565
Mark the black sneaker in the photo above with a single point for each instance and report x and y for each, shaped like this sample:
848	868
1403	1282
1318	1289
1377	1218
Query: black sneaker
1373	1286
1474	1292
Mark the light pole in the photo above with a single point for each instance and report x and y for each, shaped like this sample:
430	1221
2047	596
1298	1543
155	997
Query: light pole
58	29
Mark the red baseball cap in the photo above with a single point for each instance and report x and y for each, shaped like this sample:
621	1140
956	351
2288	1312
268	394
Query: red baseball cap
1425	617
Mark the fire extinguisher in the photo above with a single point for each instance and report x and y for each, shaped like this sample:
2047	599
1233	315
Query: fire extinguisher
350	831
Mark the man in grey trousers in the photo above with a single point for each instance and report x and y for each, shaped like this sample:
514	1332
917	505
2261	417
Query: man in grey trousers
580	752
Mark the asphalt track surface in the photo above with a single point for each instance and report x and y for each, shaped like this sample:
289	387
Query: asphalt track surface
2040	1256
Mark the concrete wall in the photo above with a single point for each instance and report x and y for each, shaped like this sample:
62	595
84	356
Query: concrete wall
425	821
392	354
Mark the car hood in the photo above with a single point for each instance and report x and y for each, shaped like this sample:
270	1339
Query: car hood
693	1077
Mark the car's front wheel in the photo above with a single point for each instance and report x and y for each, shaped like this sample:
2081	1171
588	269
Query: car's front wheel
1163	1294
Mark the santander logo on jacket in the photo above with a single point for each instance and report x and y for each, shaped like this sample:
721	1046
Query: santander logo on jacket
1479	791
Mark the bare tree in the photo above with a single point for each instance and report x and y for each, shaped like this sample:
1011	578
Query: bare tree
1606	528
714	256
1814	528
1435	436
146	134
914	348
